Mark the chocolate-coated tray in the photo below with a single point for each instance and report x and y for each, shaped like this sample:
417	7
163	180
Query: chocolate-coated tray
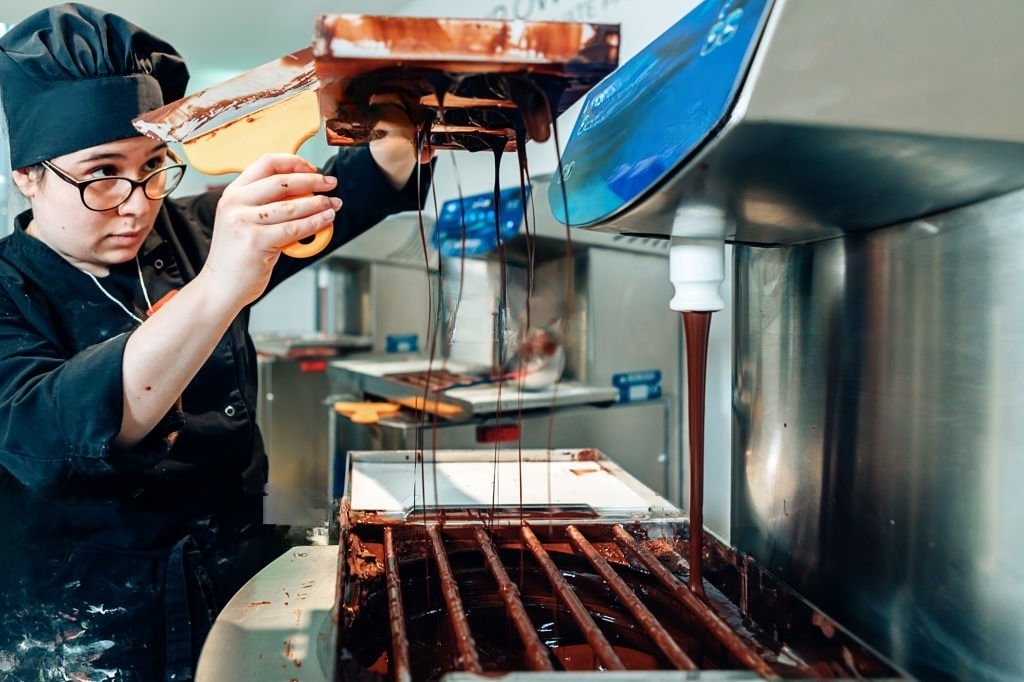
468	84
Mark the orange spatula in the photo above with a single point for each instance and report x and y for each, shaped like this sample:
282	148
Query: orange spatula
224	128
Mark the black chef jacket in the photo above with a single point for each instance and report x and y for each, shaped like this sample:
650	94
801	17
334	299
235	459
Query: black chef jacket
113	562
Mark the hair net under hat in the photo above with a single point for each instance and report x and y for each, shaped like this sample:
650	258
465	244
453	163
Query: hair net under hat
73	76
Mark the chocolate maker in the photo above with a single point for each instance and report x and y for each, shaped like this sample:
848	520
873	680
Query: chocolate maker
554	563
864	163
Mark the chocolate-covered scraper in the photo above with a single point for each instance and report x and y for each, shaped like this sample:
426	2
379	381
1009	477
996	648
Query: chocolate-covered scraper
222	129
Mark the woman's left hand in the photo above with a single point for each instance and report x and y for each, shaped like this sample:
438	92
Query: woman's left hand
277	200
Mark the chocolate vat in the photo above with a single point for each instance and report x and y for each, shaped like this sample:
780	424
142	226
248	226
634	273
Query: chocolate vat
429	590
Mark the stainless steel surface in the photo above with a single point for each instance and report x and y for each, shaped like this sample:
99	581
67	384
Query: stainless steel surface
290	413
858	115
293	420
279	625
877	453
630	328
480	303
634	435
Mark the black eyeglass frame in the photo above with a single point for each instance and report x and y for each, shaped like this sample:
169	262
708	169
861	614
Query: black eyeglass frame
83	184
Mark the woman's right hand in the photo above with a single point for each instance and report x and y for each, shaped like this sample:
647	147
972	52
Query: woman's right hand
269	206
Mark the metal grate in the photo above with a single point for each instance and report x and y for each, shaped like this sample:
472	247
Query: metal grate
537	656
425	598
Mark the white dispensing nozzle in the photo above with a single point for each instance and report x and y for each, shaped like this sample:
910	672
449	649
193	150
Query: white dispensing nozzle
696	258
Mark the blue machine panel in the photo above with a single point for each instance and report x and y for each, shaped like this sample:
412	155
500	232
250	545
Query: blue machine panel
646	119
466	226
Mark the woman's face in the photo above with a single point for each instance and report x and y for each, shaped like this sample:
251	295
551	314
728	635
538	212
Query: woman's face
93	240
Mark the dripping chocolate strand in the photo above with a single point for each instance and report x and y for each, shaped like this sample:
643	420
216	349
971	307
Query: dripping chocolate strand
419	453
523	180
696	325
500	319
422	136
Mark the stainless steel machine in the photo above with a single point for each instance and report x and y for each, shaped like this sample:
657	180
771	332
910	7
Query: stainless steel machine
293	386
552	564
866	160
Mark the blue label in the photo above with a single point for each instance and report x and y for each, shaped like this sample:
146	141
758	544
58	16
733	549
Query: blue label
470	226
644	120
637	386
402	343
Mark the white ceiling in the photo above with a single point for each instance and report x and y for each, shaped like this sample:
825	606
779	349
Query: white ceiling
219	38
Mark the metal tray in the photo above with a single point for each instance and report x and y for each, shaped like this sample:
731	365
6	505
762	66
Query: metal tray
375	376
472	484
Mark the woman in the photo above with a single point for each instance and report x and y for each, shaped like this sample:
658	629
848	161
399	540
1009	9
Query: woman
131	470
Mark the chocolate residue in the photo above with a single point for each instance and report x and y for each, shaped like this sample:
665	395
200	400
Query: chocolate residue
362	563
462	82
789	638
183	119
667	554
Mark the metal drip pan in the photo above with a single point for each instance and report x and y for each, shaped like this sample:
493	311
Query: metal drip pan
388	378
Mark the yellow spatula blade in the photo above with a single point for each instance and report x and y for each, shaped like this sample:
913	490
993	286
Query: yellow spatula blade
282	127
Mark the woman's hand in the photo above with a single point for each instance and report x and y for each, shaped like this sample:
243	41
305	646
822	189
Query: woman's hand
268	207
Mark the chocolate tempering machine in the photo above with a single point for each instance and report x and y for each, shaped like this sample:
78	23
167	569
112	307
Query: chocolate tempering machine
864	163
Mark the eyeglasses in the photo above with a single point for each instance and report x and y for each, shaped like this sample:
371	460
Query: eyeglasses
104	194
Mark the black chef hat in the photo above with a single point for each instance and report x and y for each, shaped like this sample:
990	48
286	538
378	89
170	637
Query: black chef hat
73	76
